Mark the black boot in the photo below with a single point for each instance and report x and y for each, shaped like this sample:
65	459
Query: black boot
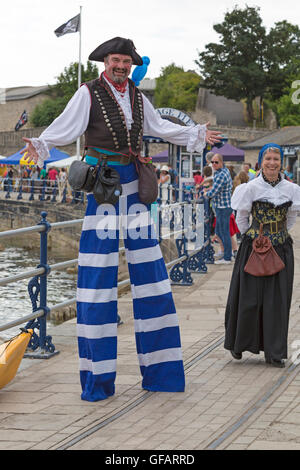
275	362
235	355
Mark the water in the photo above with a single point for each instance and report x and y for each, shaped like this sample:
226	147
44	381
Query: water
15	301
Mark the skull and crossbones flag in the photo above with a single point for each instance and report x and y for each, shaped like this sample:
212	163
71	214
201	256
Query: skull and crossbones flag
23	119
71	26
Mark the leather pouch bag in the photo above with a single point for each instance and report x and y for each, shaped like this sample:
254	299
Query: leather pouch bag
263	260
148	184
107	188
82	176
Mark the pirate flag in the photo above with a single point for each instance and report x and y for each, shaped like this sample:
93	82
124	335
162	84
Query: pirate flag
23	119
71	26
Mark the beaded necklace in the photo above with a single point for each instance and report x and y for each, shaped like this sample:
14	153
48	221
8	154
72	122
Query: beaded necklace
272	183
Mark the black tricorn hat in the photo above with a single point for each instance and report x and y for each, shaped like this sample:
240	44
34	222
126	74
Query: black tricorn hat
116	46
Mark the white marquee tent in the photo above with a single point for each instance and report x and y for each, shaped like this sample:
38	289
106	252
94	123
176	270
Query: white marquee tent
64	163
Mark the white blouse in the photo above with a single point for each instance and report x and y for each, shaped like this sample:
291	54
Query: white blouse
73	121
259	190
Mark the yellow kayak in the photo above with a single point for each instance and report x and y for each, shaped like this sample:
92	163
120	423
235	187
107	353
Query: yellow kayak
11	355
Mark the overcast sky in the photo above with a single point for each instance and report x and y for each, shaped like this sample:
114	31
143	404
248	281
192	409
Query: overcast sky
165	30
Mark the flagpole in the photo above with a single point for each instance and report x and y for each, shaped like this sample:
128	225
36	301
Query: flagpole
79	78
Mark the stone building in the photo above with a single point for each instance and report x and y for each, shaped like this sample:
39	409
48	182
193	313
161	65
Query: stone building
18	99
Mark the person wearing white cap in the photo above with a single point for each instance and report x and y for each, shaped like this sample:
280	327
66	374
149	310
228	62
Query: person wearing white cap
164	182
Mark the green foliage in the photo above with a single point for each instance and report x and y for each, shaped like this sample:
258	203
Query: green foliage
61	93
176	88
248	62
287	109
44	113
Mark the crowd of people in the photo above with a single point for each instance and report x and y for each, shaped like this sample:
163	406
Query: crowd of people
13	176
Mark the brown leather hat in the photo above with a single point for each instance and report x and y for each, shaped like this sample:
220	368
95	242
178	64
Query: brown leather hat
116	46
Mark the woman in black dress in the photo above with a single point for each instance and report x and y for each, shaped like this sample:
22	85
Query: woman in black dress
257	311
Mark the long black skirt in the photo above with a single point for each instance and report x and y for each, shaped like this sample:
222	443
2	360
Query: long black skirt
257	310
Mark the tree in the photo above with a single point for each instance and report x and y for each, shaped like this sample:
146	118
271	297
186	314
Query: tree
176	88
248	62
60	93
287	109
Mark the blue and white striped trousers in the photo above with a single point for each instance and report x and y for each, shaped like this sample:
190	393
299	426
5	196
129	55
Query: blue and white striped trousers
155	319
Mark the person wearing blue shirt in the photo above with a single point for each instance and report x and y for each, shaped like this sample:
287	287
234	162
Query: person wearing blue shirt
221	194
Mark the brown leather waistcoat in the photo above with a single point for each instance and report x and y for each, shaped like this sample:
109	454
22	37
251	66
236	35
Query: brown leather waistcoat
107	126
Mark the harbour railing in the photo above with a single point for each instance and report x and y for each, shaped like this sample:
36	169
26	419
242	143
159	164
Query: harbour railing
56	191
187	222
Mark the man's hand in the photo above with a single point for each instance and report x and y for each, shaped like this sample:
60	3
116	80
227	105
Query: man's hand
31	154
212	137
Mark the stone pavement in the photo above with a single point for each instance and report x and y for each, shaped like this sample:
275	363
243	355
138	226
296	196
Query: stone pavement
227	404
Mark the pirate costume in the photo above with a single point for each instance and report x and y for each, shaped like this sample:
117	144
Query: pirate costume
114	121
257	310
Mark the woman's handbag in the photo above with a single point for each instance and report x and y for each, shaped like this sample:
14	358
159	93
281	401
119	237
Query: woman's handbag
263	260
82	176
148	184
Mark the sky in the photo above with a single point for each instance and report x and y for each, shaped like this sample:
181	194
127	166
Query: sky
167	31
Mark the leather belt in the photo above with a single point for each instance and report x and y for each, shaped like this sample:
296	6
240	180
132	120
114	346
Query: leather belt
271	227
123	159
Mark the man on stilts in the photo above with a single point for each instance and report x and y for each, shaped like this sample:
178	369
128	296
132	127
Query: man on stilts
114	115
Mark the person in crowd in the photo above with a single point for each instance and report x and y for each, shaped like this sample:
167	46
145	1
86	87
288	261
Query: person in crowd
113	113
208	158
240	178
62	181
288	173
232	172
198	179
247	168
207	172
52	175
164	182
173	176
257	310
43	174
221	194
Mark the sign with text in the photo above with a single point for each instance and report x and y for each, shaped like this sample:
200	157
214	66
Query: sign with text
178	115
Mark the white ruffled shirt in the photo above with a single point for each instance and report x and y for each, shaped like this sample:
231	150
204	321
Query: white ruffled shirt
259	190
73	122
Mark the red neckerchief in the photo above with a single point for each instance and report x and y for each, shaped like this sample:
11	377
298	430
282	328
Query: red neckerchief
120	87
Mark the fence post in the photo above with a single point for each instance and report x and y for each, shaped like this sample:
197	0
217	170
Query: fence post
196	262
43	192
31	197
209	250
20	195
42	346
64	198
179	274
54	192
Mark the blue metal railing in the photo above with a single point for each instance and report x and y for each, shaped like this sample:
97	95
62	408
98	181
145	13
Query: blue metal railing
189	223
55	191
